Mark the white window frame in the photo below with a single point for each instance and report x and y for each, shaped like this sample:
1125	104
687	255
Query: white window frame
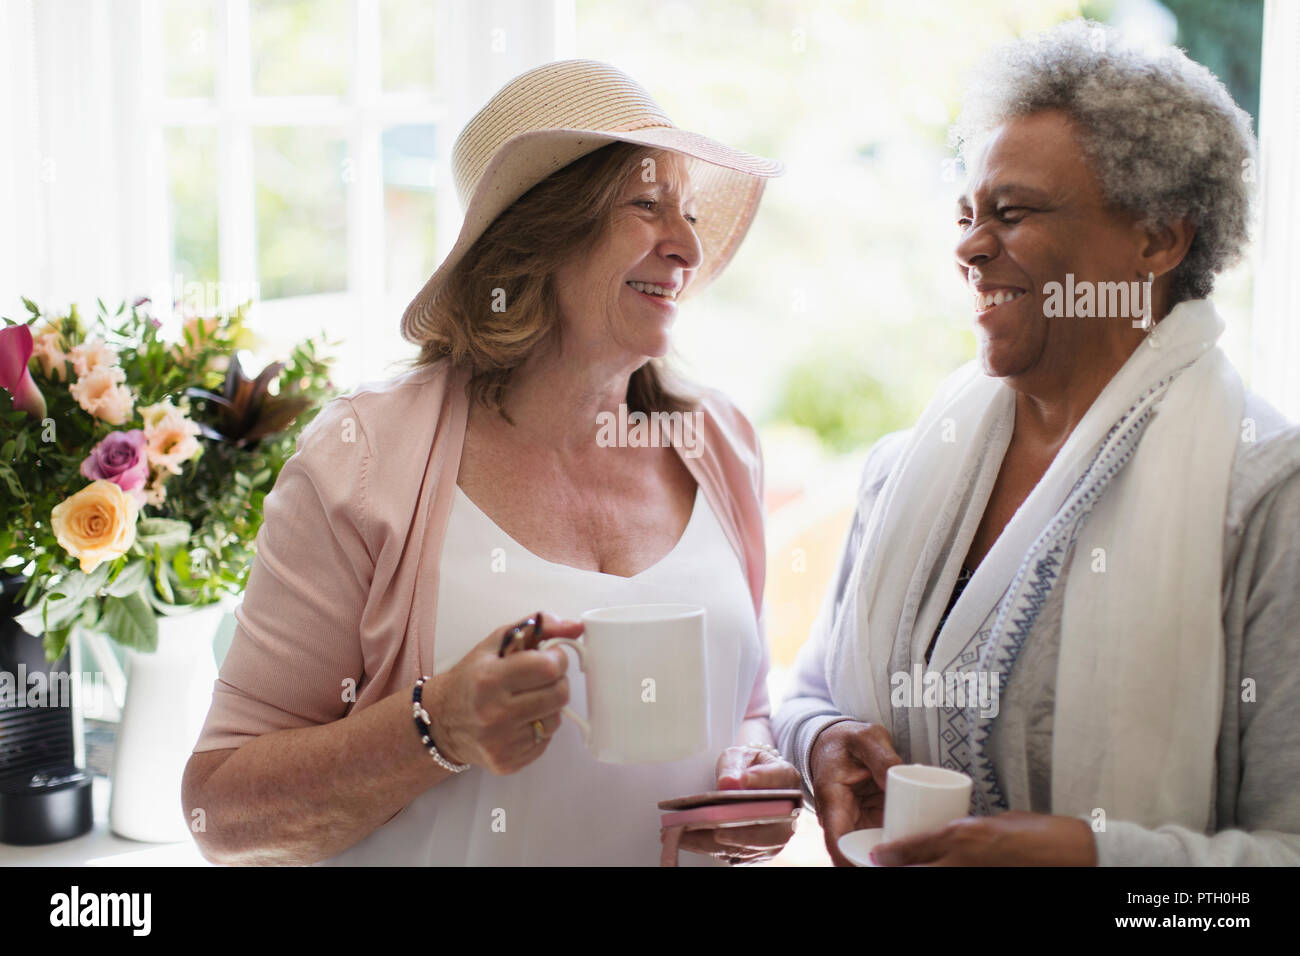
1276	299
475	55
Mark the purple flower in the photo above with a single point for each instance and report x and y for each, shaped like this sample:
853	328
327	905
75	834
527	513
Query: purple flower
121	459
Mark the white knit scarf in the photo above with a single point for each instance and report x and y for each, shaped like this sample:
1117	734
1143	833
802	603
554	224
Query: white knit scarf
1137	495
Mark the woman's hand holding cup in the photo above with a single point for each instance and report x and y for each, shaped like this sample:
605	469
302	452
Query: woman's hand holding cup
849	765
482	710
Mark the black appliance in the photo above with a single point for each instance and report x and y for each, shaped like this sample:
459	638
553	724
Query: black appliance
44	796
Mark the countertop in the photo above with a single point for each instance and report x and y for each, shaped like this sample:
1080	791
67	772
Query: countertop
101	847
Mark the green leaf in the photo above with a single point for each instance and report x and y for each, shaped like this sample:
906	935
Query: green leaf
90	615
77	586
160	576
164	533
55	643
163	609
130	622
11	480
131	578
32	307
50	612
97	578
32	620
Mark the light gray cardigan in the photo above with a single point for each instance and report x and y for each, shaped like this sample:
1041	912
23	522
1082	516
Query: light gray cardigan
1257	803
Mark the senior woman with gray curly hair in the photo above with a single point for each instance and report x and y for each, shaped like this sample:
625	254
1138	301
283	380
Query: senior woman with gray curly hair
1088	540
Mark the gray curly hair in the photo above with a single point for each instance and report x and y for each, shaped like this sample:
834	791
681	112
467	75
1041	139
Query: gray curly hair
1163	136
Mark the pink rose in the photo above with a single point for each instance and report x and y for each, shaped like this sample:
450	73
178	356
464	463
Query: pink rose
91	355
120	458
102	394
155	493
171	437
200	331
47	348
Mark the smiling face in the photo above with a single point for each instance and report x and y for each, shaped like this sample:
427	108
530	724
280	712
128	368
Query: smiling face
618	300
1034	212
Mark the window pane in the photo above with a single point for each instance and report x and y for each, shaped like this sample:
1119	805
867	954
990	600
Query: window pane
192	189
189	45
407	34
302	241
300	47
409	206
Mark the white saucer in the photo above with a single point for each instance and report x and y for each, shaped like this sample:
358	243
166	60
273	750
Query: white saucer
857	845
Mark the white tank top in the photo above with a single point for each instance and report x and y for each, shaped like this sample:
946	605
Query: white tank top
566	808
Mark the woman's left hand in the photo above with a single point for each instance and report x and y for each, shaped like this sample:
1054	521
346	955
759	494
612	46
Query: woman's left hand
747	768
1014	838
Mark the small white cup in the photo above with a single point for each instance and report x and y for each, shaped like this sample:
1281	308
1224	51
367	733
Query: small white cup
647	692
919	798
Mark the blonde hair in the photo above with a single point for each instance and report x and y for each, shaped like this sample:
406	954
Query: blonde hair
564	216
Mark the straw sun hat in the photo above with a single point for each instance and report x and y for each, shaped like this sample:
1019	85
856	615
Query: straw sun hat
546	118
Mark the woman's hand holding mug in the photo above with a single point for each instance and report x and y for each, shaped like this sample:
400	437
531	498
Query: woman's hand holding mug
483	709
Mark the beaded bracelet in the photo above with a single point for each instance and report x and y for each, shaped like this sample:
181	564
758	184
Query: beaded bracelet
426	732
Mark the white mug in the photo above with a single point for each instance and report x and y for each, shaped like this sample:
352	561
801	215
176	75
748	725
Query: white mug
919	798
647	693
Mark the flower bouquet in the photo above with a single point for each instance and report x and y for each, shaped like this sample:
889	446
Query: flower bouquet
133	469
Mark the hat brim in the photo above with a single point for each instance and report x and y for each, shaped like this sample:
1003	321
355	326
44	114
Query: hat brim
728	186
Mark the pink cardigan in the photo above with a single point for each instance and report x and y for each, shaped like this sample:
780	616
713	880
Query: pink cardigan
340	604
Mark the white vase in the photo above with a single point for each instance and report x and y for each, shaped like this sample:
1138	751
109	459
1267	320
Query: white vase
168	694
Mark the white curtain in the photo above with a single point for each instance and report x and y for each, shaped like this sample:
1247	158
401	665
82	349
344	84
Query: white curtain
1277	280
72	173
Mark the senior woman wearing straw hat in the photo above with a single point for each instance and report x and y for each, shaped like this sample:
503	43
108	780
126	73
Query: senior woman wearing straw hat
1093	522
424	519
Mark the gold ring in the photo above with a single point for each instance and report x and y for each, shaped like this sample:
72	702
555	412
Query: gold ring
538	736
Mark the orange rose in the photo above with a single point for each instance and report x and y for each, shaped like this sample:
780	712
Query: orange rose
95	524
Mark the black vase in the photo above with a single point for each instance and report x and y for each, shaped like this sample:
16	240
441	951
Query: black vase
44	796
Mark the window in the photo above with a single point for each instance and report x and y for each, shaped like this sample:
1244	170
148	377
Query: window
841	312
306	147
300	143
